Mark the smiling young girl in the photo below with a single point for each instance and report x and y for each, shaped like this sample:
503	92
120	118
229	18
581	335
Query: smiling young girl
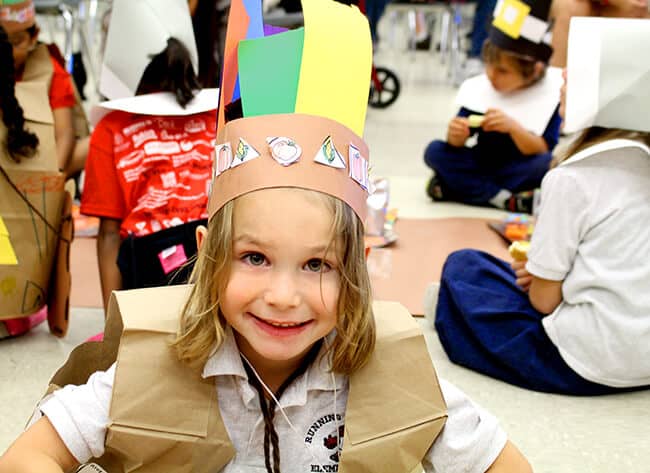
280	361
512	110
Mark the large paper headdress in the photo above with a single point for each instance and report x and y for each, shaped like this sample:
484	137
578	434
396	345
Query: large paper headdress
139	29
521	27
607	83
16	15
303	95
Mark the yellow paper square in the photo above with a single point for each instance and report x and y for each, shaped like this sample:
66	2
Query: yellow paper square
510	17
335	69
7	254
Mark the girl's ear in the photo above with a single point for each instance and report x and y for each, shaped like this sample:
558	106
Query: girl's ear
201	234
539	69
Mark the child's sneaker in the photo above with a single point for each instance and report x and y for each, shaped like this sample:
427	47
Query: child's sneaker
521	202
434	189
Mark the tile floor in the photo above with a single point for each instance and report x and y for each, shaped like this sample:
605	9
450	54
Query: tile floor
558	434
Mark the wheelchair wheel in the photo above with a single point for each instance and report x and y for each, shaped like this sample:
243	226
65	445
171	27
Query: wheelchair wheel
384	88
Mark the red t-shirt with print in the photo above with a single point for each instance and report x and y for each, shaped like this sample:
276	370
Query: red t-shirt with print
150	172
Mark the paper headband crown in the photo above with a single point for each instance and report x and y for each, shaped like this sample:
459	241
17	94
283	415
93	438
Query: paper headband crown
17	15
304	96
521	27
606	85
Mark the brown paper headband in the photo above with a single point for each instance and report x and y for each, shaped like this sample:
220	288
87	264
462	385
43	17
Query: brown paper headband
17	16
260	152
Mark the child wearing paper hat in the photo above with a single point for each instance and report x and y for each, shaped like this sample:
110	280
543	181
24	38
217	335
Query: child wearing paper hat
149	163
570	319
511	111
309	374
33	62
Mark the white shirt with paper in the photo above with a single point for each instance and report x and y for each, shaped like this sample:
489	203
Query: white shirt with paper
592	234
470	441
532	107
157	104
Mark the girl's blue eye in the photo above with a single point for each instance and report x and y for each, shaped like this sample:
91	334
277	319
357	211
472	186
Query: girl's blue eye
317	265
255	259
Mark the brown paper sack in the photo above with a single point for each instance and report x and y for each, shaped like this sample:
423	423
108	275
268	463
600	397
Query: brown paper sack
24	286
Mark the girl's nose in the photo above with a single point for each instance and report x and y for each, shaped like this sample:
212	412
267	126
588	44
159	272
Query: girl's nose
283	291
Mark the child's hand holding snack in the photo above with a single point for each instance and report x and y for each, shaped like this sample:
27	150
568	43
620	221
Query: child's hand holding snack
519	252
458	131
496	120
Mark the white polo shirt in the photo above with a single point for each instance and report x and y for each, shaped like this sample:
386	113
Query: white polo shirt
593	233
470	441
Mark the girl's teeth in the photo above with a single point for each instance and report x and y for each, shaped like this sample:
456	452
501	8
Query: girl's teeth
283	325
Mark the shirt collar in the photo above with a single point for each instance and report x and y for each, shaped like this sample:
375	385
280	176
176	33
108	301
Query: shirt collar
226	361
605	146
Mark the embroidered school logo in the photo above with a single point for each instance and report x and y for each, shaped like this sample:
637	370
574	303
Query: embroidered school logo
328	434
335	442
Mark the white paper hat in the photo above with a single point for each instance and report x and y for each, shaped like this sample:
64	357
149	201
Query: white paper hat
138	30
608	74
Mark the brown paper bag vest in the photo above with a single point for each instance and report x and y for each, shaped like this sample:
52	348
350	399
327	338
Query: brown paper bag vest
165	416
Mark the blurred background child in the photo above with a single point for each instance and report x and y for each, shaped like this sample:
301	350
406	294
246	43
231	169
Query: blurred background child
33	61
149	161
27	153
516	94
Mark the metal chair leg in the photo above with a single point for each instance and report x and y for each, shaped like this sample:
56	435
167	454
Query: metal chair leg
445	21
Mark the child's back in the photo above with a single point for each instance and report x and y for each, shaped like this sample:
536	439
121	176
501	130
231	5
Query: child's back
596	204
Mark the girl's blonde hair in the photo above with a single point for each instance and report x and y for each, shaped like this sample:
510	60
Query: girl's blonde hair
596	134
202	325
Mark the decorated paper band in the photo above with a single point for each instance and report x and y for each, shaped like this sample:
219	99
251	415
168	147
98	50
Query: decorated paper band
266	171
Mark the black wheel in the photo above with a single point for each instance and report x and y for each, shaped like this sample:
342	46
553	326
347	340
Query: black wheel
386	91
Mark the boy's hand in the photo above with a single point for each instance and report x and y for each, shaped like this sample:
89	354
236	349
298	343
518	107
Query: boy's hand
496	120
458	131
524	278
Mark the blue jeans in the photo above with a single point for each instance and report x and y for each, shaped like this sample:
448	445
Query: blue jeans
468	176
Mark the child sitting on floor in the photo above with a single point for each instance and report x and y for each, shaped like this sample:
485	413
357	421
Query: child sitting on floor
513	109
281	362
574	317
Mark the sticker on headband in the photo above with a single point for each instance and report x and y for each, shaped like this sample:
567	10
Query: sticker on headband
243	153
284	150
329	155
90	468
358	167
222	158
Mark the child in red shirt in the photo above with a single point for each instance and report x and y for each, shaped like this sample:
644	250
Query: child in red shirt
19	21
147	179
